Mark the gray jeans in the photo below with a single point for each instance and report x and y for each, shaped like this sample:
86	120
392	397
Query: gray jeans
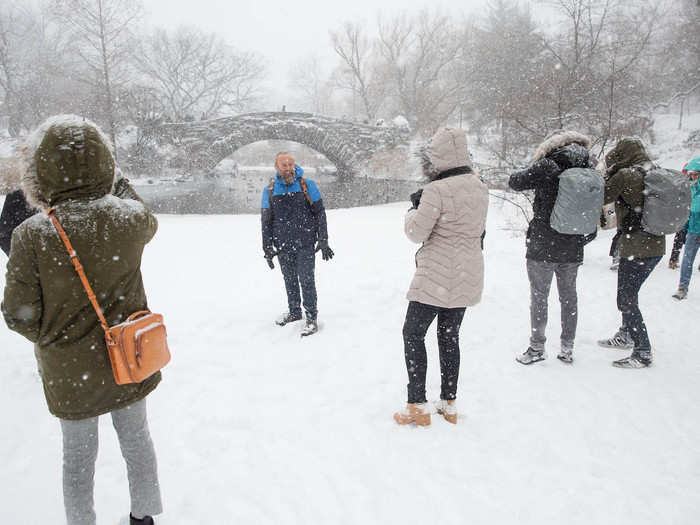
79	455
540	274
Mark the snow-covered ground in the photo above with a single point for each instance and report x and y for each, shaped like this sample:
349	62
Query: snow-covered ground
254	425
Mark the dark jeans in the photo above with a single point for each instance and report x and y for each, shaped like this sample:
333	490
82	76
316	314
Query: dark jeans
630	277
615	244
678	242
298	268
419	317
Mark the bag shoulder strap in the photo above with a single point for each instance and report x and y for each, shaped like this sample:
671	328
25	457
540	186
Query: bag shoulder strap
80	271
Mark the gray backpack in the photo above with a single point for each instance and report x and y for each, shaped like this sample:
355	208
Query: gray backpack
667	199
579	201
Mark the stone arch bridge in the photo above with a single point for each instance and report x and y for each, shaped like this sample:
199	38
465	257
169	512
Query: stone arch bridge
355	149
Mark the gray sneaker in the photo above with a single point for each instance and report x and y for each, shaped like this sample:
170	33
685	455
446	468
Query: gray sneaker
566	355
288	317
632	361
310	328
681	294
531	356
622	339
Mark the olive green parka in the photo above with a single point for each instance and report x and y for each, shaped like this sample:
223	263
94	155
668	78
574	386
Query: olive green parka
624	185
69	166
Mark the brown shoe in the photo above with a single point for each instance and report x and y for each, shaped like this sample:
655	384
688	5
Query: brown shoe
448	409
673	264
413	413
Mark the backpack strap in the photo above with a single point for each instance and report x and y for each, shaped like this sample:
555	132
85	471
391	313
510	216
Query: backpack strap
305	189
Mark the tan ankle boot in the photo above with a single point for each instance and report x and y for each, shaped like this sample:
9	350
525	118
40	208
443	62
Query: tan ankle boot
448	409
413	413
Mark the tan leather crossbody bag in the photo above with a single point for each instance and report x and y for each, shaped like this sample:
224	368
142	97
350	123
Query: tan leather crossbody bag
138	347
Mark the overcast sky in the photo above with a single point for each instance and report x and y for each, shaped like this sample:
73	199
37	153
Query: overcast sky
284	31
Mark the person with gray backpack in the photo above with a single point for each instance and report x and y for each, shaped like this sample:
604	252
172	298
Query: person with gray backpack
566	209
650	202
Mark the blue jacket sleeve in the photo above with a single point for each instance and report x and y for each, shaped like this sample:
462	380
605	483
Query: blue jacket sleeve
544	171
318	210
266	222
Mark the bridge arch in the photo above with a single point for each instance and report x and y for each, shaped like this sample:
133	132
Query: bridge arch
348	145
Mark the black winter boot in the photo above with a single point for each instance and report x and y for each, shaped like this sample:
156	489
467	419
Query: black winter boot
288	317
146	520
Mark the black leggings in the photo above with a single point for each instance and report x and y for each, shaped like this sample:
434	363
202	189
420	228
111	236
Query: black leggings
630	278
419	317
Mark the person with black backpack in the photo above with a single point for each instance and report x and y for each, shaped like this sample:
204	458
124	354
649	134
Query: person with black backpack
293	229
15	209
550	251
645	213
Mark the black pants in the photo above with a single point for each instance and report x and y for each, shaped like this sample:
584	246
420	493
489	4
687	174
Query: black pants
298	268
678	242
614	244
419	317
630	277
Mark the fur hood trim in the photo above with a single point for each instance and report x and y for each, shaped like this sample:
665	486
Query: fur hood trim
10	175
558	139
29	175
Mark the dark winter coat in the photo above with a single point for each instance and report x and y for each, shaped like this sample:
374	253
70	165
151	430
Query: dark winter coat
555	155
289	222
624	185
15	211
70	167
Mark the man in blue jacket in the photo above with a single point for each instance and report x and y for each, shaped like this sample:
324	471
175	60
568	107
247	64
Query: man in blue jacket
294	228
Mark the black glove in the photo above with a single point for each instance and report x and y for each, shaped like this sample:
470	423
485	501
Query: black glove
326	251
269	254
415	198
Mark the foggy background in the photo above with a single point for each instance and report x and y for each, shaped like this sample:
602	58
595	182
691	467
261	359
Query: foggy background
507	72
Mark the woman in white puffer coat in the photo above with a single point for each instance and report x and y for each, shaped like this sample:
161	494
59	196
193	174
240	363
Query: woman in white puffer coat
449	218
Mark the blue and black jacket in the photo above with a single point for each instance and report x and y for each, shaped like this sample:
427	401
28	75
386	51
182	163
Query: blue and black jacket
289	221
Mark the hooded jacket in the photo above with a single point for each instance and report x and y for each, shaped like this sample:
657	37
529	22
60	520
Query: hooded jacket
559	152
693	225
15	208
624	185
15	211
69	166
289	222
449	221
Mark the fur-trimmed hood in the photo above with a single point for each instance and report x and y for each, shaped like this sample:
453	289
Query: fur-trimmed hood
10	175
444	151
629	151
66	157
559	139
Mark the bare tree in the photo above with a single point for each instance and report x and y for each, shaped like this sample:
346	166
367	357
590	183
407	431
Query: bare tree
423	62
197	73
36	79
15	23
314	89
598	55
505	82
103	31
359	73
